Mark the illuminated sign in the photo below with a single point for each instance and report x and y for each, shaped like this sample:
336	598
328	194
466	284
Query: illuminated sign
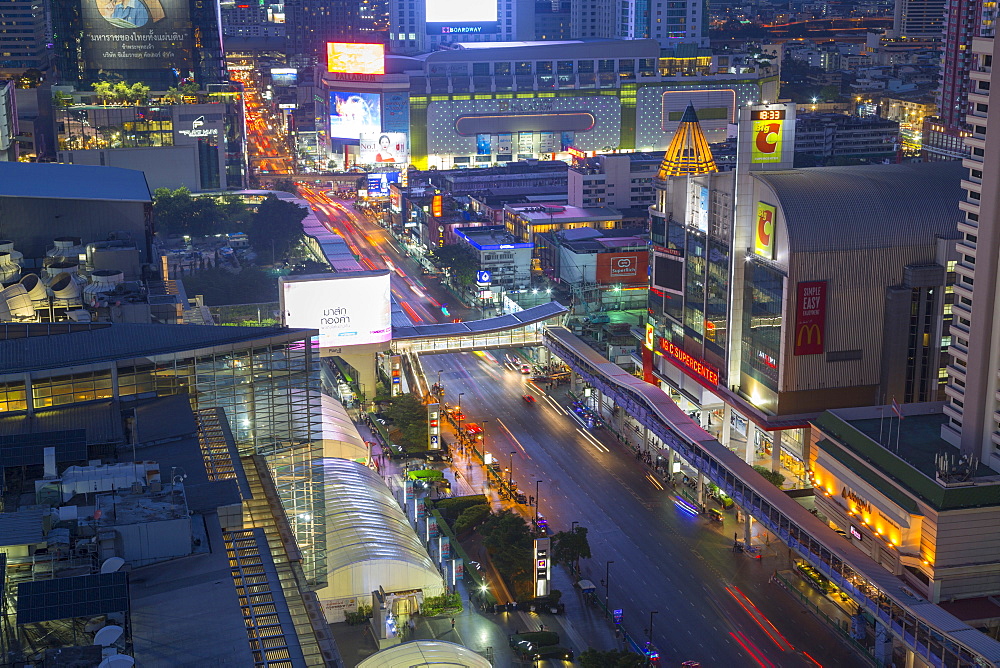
354	114
630	267
543	573
575	152
763	237
433	426
466	17
855	534
137	34
395	200
198	129
383	148
854	497
378	183
437	206
767	115
650	340
700	369
350	58
347	309
810	318
766	142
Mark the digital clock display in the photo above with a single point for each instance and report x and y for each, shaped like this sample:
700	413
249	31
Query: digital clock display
767	115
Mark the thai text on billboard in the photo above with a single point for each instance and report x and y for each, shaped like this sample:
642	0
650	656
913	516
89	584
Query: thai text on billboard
627	268
351	58
347	309
354	114
810	317
383	148
137	34
763	236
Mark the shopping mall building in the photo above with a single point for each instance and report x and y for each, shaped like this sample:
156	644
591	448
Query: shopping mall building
780	293
482	104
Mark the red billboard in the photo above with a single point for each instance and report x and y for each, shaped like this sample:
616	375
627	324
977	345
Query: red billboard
810	318
630	268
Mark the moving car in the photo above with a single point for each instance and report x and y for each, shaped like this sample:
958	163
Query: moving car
525	369
528	399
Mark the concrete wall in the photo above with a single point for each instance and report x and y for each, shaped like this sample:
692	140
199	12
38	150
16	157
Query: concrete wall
164	166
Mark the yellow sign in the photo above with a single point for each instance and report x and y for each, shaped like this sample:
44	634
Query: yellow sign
650	342
766	146
764	228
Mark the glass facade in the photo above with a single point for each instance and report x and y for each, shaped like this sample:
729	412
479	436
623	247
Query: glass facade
270	391
762	304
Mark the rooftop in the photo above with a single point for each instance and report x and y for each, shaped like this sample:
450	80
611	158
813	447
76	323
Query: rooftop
856	443
30	347
869	206
561	213
51	180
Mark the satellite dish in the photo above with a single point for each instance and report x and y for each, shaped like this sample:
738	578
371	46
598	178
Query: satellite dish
112	565
117	661
108	636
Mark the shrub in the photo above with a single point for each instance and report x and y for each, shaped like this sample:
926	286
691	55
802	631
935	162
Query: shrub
772	477
439	605
471	517
452	508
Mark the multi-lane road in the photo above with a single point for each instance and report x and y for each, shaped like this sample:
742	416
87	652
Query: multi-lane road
712	605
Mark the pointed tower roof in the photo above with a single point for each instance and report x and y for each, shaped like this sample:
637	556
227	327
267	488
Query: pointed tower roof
688	153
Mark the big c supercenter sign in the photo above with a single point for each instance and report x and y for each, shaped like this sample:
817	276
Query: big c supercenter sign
764	229
767	135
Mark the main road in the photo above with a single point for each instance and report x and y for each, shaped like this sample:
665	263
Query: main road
712	605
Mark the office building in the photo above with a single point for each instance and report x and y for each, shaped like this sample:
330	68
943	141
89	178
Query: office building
669	22
919	20
526	222
497	251
553	20
8	122
181	41
972	405
619	181
310	24
22	38
829	137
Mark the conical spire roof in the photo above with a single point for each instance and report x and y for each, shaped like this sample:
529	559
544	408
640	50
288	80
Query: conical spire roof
688	153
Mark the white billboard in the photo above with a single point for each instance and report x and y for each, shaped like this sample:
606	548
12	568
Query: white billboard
469	11
383	148
348	309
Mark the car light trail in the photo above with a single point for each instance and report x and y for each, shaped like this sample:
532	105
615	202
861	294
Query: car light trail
512	437
600	448
764	617
758	621
656	483
685	506
410	312
761	660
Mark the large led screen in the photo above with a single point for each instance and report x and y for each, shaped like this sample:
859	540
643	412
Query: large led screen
467	11
350	58
383	148
348	309
137	34
354	114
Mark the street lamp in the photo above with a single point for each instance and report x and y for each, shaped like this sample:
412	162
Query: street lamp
572	526
511	479
536	503
460	415
439	380
607	585
650	629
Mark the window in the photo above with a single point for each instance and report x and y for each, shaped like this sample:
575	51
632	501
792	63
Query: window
605	66
523	67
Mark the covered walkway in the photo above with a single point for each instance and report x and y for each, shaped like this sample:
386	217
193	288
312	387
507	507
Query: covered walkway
523	328
922	627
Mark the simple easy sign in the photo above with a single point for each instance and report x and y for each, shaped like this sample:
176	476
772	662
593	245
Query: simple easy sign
810	318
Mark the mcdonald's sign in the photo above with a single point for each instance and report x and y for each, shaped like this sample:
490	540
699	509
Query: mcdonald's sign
763	236
810	318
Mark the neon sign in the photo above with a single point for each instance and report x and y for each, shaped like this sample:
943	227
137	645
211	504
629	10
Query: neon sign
690	363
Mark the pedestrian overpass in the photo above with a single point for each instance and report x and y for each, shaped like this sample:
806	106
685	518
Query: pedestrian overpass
923	628
513	330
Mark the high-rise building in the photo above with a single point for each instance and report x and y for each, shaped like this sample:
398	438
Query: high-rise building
310	24
417	26
164	43
972	407
669	22
22	37
920	20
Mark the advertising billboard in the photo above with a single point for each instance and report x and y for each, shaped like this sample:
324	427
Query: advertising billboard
767	135
698	206
354	114
763	237
810	317
351	58
137	34
396	112
284	76
632	267
383	148
471	17
668	271
378	184
348	309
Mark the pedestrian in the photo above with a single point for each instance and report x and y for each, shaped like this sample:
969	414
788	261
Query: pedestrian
452	623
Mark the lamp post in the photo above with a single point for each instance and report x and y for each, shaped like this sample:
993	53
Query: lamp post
607	585
572	526
510	480
650	629
536	503
460	415
440	392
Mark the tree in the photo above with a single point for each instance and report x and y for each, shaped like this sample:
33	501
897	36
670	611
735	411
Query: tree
276	227
177	212
409	416
459	260
508	539
138	93
122	92
772	477
594	658
31	78
103	91
173	96
569	547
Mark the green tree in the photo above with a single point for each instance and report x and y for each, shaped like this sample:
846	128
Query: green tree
409	416
772	477
103	91
173	96
177	212
569	547
138	93
829	94
276	228
220	286
459	260
508	538
122	92
594	658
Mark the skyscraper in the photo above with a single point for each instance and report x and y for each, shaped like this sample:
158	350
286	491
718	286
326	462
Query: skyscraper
310	24
417	26
973	407
670	22
22	37
920	19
